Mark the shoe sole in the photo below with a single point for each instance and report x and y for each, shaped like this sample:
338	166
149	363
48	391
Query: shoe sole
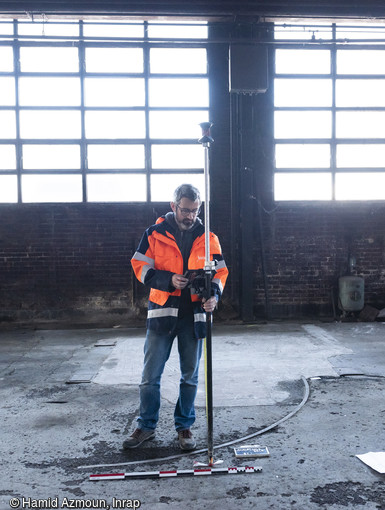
186	449
128	447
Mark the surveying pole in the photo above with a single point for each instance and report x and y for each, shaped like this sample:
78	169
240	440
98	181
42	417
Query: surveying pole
209	267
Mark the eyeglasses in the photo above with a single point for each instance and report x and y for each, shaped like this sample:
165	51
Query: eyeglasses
185	212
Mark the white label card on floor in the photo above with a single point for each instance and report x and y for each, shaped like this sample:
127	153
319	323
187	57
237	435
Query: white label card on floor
375	460
253	450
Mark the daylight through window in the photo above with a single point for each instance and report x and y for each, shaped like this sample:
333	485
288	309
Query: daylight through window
329	113
88	114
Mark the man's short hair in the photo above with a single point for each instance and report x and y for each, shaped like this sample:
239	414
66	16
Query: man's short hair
186	190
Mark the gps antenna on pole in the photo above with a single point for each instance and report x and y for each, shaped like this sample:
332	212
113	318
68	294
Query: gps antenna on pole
206	140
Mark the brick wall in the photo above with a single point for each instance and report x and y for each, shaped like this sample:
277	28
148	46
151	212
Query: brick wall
71	263
307	249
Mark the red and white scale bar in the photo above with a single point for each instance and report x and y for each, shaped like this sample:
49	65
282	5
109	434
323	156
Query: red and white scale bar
178	472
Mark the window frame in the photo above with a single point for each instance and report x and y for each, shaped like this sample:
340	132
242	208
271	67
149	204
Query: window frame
82	43
333	46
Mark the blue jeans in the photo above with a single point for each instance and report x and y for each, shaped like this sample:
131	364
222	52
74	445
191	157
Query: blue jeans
157	350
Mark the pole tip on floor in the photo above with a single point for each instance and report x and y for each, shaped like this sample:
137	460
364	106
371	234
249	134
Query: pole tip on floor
211	463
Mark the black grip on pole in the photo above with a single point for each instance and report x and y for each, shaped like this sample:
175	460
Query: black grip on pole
207	289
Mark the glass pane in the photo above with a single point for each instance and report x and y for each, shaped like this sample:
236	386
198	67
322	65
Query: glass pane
179	92
6	58
115	156
109	125
48	28
302	61
114	91
301	31
360	93
360	124
302	155
361	61
49	91
297	124
360	186
177	124
185	31
49	59
6	27
113	29
178	60
303	186
8	189
7	91
7	124
114	60
163	186
7	157
51	157
360	156
116	188
368	31
177	156
307	92
50	124
51	188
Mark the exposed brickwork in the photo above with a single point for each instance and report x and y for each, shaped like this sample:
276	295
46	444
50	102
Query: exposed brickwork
63	261
72	262
307	249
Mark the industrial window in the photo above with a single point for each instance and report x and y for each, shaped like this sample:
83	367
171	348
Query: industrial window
100	111
329	112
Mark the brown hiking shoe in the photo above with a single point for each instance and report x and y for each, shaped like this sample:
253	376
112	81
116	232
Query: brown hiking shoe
138	437
186	440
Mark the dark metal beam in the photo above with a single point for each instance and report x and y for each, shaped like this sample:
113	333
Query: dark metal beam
198	8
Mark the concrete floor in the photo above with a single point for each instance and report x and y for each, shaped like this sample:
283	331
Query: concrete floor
69	398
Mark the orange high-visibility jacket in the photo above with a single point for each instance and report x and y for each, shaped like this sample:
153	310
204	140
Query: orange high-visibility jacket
158	257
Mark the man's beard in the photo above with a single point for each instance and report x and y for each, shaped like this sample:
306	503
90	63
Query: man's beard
185	224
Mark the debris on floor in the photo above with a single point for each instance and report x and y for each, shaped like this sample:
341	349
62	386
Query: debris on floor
375	460
368	314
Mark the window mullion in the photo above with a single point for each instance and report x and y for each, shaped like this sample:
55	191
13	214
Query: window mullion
147	143
83	145
18	147
333	144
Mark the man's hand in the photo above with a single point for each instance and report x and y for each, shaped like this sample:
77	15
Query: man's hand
210	304
179	281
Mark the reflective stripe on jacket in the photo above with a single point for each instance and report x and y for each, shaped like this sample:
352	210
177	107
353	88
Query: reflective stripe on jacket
158	258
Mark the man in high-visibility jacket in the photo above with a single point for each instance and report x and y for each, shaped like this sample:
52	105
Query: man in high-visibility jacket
175	244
